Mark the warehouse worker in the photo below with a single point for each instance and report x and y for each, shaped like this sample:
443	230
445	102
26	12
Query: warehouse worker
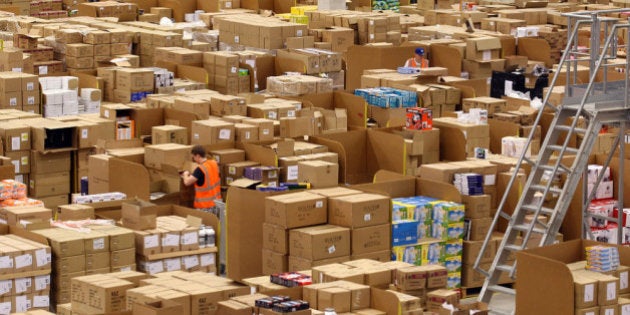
206	180
418	60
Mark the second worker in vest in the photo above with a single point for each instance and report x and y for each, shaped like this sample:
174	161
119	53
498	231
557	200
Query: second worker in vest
206	180
418	60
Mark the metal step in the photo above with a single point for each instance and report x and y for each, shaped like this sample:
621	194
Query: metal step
533	208
526	227
560	148
569	129
505	268
513	248
553	190
550	168
501	289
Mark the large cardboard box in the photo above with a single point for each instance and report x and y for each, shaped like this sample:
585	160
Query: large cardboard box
139	215
15	136
45	185
319	242
360	210
275	238
171	154
274	262
371	239
296	210
546	284
206	132
169	134
319	174
50	163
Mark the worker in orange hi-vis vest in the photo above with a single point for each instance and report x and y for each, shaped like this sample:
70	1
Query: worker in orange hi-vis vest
206	180
418	60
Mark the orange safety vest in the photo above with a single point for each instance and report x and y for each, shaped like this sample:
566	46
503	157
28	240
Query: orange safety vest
206	194
414	64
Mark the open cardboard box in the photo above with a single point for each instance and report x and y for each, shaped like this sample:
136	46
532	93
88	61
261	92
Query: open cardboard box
138	182
244	212
355	106
265	154
544	282
397	185
363	152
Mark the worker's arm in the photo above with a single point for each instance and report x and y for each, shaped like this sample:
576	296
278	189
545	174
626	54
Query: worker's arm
188	179
407	63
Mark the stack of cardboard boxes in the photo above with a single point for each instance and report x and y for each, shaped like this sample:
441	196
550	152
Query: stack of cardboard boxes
124	12
296	85
25	274
16	139
166	243
225	73
95	46
597	292
255	31
60	96
476	135
48	9
20	91
483	56
197	292
287	219
103	249
367	216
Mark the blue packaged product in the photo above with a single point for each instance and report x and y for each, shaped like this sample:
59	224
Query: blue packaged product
404	232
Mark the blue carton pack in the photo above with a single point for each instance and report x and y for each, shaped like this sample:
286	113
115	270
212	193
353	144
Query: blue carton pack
404	232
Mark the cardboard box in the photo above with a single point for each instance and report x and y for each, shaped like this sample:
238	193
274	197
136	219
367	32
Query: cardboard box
411	278
171	154
371	239
360	210
15	136
45	185
139	215
337	298
50	163
169	134
319	174
14	216
319	242
275	238
164	307
207	132
74	212
105	294
296	210
274	262
477	206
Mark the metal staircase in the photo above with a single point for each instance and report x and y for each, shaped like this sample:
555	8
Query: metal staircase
543	203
